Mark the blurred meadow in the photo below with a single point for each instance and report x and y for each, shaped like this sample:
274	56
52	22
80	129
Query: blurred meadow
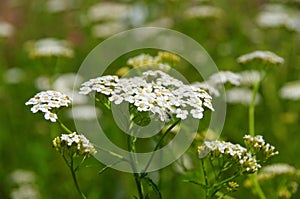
31	168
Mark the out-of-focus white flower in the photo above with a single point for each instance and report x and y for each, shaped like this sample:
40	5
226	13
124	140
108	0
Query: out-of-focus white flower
80	142
143	60
276	16
42	83
49	47
13	75
45	101
6	29
264	56
25	192
223	77
183	164
84	112
273	170
55	6
107	29
250	77
20	176
137	14
154	91
241	96
290	90
204	12
108	11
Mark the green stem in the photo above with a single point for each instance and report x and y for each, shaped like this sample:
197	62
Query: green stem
64	127
252	109
158	145
207	188
133	161
256	184
71	166
257	187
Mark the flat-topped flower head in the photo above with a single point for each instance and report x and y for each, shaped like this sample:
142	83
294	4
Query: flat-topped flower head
68	141
208	87
241	96
46	101
264	56
223	77
105	11
235	155
290	90
49	47
169	57
143	60
107	29
154	91
6	29
277	169
250	77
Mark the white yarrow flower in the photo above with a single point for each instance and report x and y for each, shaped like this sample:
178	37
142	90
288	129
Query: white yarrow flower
241	96
6	29
45	101
290	91
265	56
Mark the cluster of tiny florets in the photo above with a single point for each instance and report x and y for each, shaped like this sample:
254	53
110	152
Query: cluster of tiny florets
79	142
258	144
154	91
235	154
264	56
45	101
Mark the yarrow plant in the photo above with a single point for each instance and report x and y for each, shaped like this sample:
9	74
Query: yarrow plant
151	93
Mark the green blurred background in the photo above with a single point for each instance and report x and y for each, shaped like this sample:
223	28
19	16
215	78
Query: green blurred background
25	138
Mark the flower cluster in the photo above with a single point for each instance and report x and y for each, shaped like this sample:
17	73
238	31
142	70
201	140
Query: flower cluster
79	142
241	96
290	90
154	91
204	12
223	77
49	47
234	154
264	56
250	77
6	29
273	170
257	144
45	101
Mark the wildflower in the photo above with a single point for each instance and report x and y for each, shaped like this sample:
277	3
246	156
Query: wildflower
76	141
168	56
164	22
49	47
290	90
108	11
207	87
264	56
25	192
20	176
257	144
6	29
273	170
143	60
232	186
203	12
13	75
45	101
55	6
278	16
223	77
107	29
250	77
154	91
235	155
242	96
